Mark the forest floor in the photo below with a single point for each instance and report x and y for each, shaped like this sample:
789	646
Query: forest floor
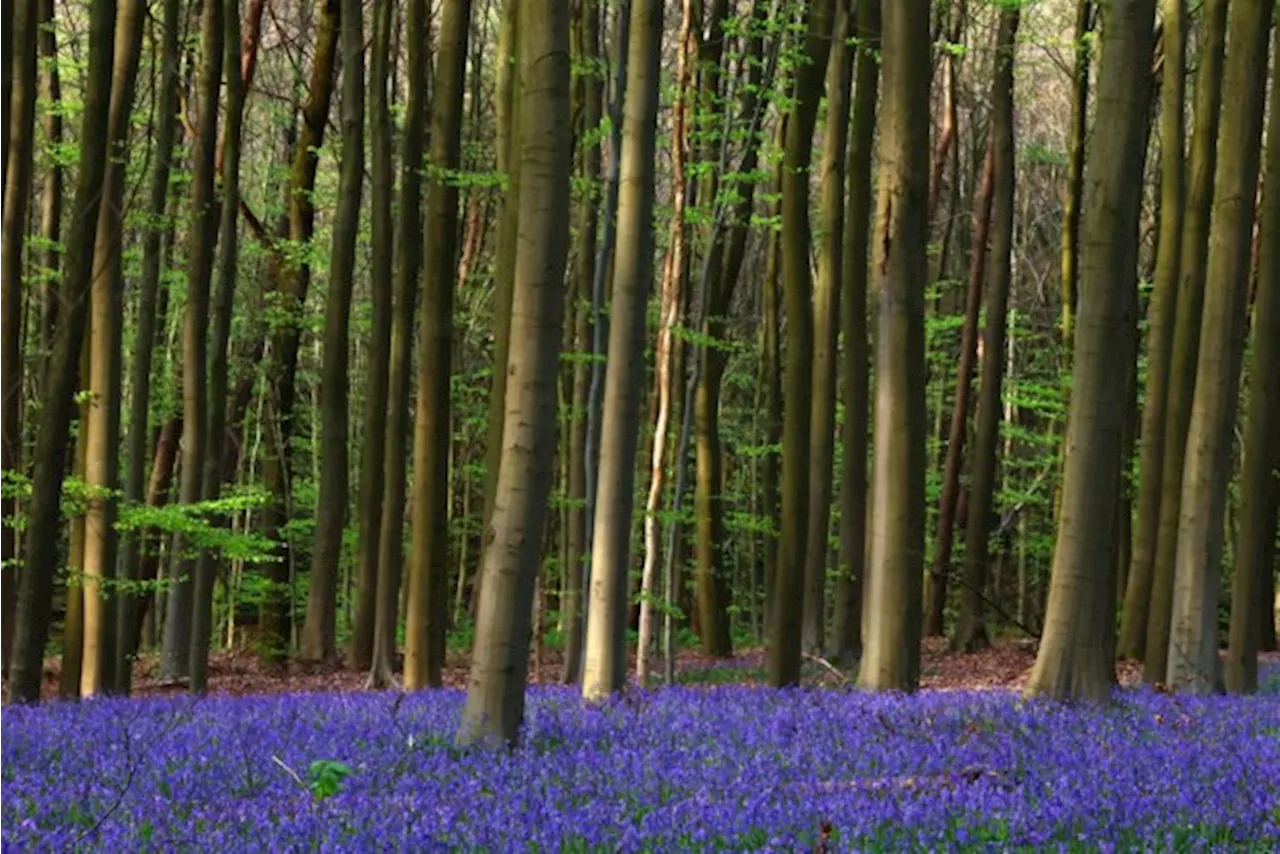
1005	665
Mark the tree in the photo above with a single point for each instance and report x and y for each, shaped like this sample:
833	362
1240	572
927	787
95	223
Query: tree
826	328
797	289
1086	21
1193	636
1255	537
1186	334
1160	326
429	566
1075	660
35	589
971	633
19	137
382	191
331	505
847	627
606	659
495	695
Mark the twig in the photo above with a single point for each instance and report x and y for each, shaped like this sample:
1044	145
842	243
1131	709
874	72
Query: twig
289	771
831	668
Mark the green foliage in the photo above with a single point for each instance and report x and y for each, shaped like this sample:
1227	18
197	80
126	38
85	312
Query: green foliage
325	776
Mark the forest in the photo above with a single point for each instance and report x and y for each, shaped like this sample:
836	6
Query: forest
640	425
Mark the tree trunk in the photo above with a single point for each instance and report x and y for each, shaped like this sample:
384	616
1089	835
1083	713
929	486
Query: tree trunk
892	656
1086	20
429	566
1161	319
35	590
1186	334
19	135
409	256
771	385
73	618
144	345
1193	634
1075	660
382	187
797	288
223	302
847	626
959	429
318	641
589	104
605	667
826	328
52	190
495	696
971	632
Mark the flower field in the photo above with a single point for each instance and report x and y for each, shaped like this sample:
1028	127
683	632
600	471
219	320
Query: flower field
722	768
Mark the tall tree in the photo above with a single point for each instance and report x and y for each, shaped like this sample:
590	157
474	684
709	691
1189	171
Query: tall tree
409	258
1161	319
1193	635
588	96
971	633
606	636
382	191
429	567
106	329
892	656
135	480
203	237
826	328
35	590
1075	660
1086	20
847	624
19	135
223	301
1201	167
1255	536
797	289
318	642
495	695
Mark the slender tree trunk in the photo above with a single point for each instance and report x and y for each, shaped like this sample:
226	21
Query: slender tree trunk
429	567
51	192
826	327
959	428
495	696
797	287
847	626
605	667
409	257
382	187
971	632
589	98
73	618
223	303
35	589
1161	319
892	656
19	135
140	379
771	383
1086	20
318	641
1075	660
1186	334
185	599
1193	635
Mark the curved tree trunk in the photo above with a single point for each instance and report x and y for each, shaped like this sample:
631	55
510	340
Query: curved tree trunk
495	695
1193	633
1075	660
429	566
971	632
1186	334
797	288
847	625
605	667
35	590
